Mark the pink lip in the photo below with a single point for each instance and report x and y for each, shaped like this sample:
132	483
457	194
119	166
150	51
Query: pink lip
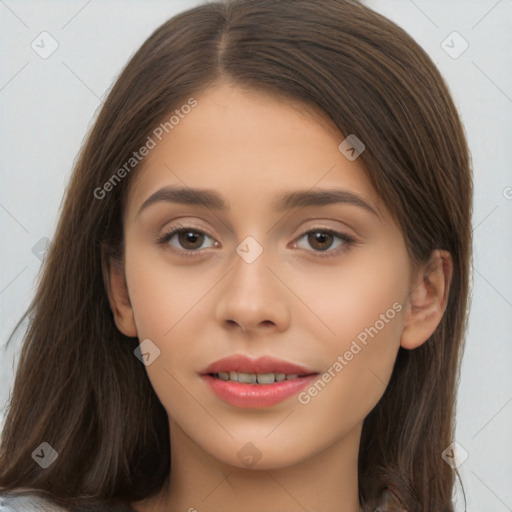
265	364
256	395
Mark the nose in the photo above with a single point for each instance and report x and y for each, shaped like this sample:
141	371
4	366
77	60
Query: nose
253	298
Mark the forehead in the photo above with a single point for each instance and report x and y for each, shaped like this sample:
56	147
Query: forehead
249	144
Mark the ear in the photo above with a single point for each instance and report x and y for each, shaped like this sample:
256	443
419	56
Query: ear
115	283
428	299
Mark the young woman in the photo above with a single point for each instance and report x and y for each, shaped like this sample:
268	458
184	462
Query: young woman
256	295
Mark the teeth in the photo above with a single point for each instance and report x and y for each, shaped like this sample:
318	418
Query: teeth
247	378
266	378
253	378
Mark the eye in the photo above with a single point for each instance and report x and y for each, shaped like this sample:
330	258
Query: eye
188	241
185	239
325	240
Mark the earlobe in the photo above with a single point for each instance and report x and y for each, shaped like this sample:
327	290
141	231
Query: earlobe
115	282
428	299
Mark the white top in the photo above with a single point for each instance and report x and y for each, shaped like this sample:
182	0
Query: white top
27	502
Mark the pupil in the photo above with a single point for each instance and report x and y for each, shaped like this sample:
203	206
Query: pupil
321	238
191	238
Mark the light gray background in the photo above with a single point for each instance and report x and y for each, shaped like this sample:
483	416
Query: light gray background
47	106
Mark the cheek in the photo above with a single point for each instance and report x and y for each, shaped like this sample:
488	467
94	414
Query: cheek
163	300
355	295
162	295
362	306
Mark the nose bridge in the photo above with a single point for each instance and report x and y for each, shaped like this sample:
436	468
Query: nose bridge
252	296
250	277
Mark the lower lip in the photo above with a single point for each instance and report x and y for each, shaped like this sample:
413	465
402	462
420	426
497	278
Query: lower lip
256	396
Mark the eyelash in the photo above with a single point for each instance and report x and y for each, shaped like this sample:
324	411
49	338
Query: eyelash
347	240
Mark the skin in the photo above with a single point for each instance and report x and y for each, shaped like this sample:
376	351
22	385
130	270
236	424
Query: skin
292	302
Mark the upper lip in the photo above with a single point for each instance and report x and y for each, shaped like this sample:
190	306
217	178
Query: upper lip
266	364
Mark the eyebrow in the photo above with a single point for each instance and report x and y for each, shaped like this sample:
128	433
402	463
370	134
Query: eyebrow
284	201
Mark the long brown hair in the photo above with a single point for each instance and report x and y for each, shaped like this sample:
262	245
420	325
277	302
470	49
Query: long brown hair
78	385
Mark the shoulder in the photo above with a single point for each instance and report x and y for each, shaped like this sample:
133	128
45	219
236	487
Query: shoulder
26	501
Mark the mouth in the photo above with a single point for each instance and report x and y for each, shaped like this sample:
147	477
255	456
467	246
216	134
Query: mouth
256	383
257	378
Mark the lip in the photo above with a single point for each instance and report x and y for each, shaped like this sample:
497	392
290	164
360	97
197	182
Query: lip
256	396
265	364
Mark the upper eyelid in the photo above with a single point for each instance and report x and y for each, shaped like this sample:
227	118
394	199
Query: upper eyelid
180	227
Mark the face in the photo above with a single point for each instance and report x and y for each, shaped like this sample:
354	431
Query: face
250	271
